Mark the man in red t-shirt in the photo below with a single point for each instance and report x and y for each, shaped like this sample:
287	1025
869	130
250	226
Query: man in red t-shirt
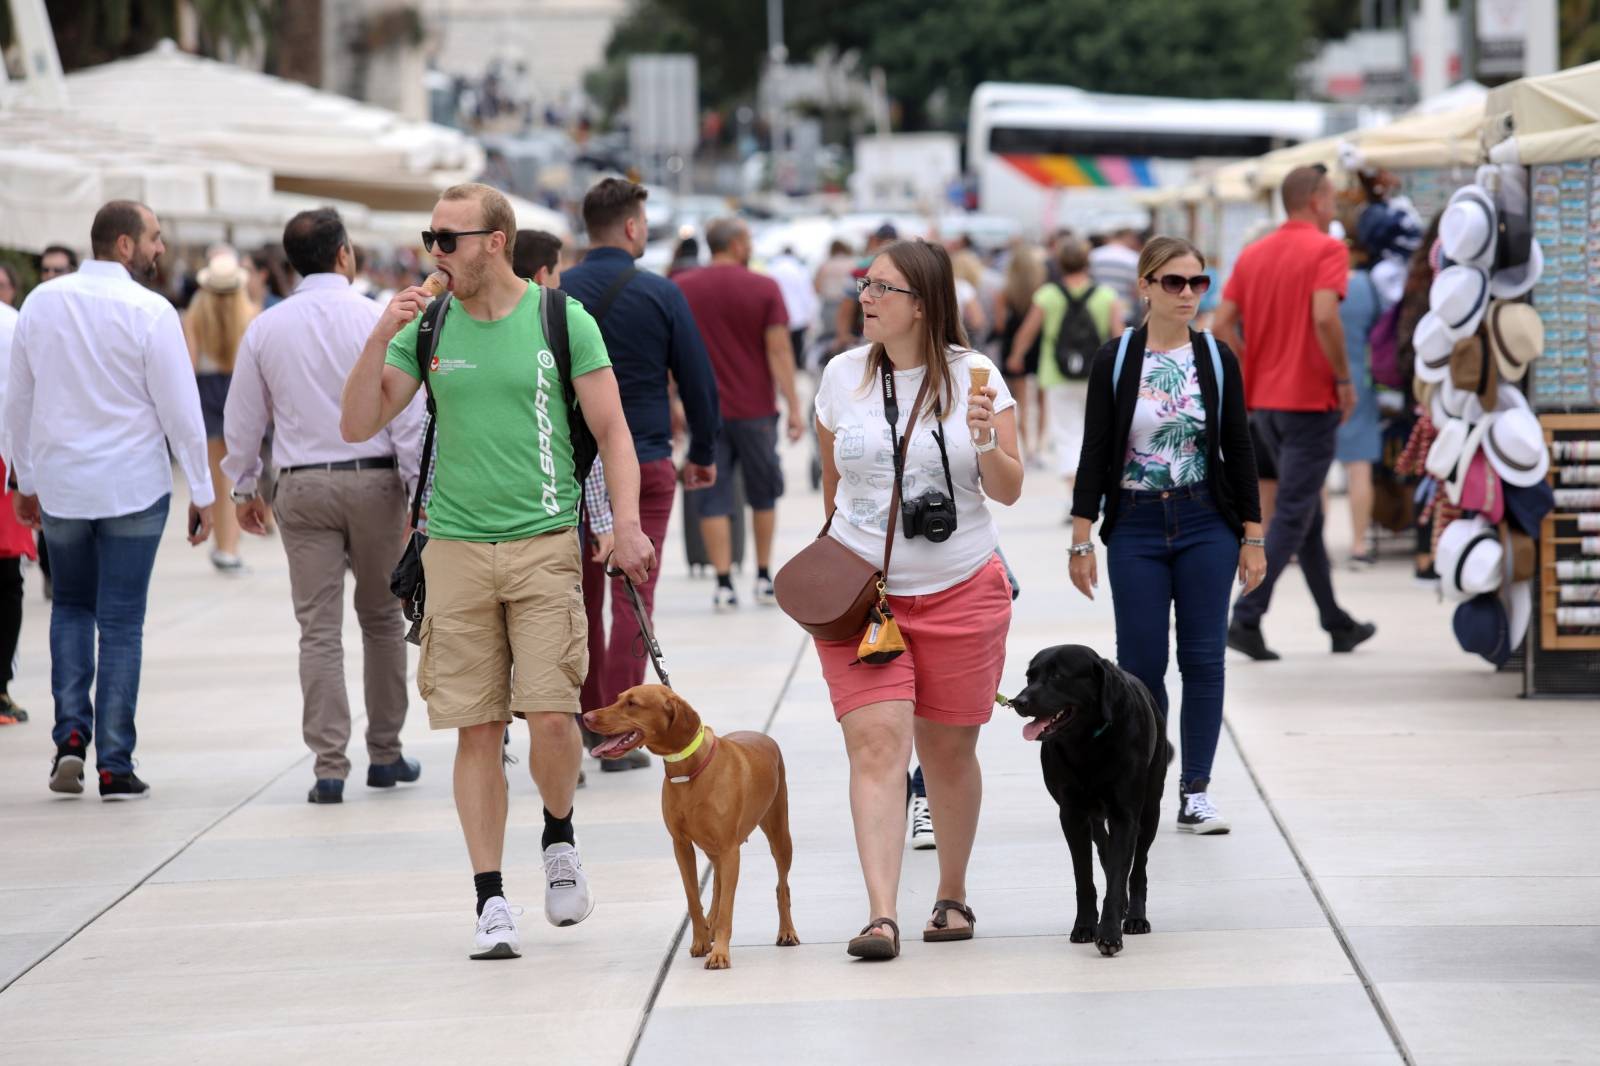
745	325
1284	292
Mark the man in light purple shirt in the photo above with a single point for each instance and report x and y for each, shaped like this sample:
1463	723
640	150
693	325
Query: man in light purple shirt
100	384
337	504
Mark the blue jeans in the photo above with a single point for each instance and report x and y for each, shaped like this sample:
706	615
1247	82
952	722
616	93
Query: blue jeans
101	570
1173	549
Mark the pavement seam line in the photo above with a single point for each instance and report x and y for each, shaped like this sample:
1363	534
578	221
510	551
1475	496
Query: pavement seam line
683	926
158	867
1337	927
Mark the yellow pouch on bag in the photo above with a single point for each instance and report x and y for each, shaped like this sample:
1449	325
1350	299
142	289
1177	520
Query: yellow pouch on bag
881	643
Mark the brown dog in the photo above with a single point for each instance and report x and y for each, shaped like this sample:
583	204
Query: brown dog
718	789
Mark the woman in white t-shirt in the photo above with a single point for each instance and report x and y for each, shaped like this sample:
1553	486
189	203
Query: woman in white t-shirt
950	597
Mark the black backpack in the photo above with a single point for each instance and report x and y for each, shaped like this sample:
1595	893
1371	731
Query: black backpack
1079	338
553	320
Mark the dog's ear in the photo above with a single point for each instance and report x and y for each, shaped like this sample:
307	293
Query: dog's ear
677	713
1112	689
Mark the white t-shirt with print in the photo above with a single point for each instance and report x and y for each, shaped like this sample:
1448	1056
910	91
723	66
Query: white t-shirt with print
852	410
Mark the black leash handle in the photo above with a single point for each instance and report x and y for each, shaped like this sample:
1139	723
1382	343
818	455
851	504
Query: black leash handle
647	635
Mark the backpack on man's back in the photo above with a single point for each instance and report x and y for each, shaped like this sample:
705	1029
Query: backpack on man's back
1079	337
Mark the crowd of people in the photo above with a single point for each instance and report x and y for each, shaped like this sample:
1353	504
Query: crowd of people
527	415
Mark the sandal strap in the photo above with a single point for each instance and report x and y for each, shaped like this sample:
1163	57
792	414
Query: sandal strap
870	926
942	909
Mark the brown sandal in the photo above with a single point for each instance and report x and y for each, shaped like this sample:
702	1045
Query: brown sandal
870	945
941	930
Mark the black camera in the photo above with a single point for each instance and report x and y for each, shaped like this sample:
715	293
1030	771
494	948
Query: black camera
931	515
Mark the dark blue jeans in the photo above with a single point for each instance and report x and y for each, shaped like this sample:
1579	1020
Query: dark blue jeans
1172	549
1301	445
101	569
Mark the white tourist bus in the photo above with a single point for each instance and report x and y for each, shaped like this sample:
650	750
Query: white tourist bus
1050	156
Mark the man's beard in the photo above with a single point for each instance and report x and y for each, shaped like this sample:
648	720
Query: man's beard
143	269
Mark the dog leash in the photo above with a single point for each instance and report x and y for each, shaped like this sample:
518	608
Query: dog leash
647	634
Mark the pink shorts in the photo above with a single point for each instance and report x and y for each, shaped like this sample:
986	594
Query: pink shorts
955	652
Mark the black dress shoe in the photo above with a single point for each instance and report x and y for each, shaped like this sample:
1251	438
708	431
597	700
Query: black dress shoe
326	790
387	775
1346	638
1249	640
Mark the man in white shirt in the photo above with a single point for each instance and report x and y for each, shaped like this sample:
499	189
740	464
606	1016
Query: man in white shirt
1116	263
100	384
799	296
337	504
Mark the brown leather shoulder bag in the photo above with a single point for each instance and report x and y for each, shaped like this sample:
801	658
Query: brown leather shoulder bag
829	589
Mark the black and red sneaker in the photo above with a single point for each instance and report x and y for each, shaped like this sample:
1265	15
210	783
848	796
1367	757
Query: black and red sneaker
122	786
66	770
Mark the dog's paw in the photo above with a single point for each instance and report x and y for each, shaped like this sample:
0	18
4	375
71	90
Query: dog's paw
699	949
718	960
1108	947
1082	933
788	938
1135	926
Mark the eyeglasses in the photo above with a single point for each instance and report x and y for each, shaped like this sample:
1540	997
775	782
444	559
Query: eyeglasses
1174	283
879	289
446	239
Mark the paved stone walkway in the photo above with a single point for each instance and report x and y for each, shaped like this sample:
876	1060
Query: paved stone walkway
1412	872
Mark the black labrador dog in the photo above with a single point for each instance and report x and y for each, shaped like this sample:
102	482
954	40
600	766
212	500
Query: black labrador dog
1104	754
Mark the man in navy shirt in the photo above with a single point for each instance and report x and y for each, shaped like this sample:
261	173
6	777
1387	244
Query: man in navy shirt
650	335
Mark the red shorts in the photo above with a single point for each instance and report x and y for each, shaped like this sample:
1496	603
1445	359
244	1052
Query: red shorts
955	652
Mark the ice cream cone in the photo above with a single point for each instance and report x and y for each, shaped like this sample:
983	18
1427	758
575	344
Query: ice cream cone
436	284
980	378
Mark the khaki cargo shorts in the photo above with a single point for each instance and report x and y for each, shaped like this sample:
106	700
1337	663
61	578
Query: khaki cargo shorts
505	632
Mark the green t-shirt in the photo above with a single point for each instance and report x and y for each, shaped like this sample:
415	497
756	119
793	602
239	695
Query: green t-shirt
1053	300
503	468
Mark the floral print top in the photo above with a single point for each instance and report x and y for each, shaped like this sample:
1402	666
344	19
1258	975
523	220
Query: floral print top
1167	440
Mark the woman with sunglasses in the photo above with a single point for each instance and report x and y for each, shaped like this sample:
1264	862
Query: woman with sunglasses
1167	447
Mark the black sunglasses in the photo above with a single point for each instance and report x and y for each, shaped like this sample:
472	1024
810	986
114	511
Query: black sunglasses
447	239
1174	283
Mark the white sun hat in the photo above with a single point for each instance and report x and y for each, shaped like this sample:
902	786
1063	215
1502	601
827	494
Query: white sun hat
1516	447
1469	558
1467	229
1459	296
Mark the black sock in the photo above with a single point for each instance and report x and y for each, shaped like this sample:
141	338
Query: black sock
725	581
557	830
488	886
762	575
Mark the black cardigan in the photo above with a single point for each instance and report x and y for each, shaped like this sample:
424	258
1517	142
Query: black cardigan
1107	421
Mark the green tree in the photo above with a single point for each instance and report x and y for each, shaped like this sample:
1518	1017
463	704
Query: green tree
1246	48
90	32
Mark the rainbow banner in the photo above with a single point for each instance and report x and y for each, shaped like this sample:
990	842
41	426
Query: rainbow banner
1084	171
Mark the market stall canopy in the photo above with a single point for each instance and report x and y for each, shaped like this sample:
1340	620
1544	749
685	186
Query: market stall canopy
404	228
315	143
1235	183
1438	139
1272	168
1549	119
57	168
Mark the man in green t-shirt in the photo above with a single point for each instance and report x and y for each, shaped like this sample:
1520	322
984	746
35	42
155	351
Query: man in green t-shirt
504	631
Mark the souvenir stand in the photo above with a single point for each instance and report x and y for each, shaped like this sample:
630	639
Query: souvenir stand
1551	125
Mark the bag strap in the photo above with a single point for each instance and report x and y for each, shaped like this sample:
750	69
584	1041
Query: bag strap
428	331
891	414
609	297
554	326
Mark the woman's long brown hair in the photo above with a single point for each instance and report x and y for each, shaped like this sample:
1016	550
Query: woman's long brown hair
215	323
929	274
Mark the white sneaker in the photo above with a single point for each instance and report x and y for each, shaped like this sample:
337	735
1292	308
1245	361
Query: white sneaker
567	899
496	935
921	825
1199	816
724	600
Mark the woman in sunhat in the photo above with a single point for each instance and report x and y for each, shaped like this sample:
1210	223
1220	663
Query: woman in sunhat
213	325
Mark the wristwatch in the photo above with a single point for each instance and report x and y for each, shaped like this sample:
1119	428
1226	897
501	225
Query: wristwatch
991	444
242	497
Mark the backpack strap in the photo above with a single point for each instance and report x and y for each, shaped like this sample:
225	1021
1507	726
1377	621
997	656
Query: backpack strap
428	331
1216	368
553	320
1122	355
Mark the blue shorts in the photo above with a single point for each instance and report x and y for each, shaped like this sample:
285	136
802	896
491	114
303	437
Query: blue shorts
751	445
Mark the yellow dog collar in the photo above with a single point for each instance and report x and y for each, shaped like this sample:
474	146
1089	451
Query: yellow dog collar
694	746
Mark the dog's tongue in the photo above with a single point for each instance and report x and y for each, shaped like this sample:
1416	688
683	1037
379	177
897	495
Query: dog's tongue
1034	729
